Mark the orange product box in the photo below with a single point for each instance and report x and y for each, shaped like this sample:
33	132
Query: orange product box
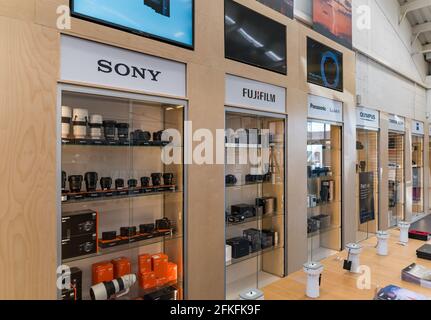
144	263
147	280
160	282
122	267
102	271
172	272
159	263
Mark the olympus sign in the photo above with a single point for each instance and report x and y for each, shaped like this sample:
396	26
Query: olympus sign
367	118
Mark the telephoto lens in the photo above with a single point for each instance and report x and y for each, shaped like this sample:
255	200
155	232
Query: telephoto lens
168	179
119	184
145	182
91	181
123	131
75	183
80	122
132	183
66	118
156	179
106	290
109	129
96	124
106	183
63	180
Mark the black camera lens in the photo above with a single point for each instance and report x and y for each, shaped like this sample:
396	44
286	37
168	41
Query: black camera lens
106	183
147	228
168	179
145	182
156	179
119	184
109	129
123	131
91	181
75	183
231	179
132	183
63	180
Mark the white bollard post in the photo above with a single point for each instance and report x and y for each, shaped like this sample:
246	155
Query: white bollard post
382	243
313	271
354	250
404	231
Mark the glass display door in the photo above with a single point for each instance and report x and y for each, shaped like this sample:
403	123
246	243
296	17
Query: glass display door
418	175
255	200
324	163
367	182
396	178
122	205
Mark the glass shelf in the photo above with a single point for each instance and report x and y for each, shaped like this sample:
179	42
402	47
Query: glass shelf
125	247
322	231
247	184
102	195
104	143
254	219
253	255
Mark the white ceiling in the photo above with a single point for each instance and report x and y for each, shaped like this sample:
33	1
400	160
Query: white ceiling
418	13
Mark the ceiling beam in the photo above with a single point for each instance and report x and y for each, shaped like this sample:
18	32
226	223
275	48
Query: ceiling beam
420	28
412	6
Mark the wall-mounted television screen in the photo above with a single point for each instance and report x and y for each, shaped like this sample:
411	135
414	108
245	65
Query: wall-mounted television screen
167	20
324	65
254	39
283	6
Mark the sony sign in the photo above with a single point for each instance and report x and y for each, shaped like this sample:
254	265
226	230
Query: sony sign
90	62
367	118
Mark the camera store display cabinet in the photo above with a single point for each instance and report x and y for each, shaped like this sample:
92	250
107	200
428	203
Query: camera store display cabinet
324	167
396	178
254	200
121	207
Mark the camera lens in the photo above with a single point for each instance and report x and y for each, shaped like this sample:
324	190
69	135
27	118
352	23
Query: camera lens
91	181
132	183
156	179
231	179
145	182
75	183
123	131
168	179
109	129
119	184
96	123
80	121
157	136
106	183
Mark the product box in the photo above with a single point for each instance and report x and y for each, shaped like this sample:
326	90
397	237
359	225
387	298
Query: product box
147	280
159	263
102	271
144	263
160	282
122	267
172	272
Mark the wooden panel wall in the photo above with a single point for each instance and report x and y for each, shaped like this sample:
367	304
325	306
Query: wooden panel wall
28	250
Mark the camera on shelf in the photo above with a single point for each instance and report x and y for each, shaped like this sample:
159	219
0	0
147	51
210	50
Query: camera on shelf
106	183
163	224
240	247
123	131
327	191
232	218
313	225
246	210
147	228
109	235
140	137
109	129
132	183
231	179
96	124
79	233
254	238
168	179
91	181
145	182
156	179
80	122
128	232
319	172
119	184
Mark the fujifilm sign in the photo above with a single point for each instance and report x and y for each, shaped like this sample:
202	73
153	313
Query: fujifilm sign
367	118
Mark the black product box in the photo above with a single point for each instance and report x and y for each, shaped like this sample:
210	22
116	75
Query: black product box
313	225
169	293
240	247
78	223
424	252
75	293
268	238
79	246
324	220
254	238
246	210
